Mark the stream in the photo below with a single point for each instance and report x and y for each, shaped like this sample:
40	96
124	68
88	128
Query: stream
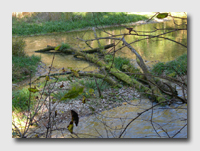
150	49
108	124
166	121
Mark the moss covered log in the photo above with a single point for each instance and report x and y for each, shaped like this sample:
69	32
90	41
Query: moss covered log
68	50
118	74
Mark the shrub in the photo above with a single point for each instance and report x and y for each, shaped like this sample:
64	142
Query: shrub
172	68
118	61
158	68
22	65
18	45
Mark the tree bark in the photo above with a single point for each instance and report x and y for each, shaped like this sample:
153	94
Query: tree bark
49	48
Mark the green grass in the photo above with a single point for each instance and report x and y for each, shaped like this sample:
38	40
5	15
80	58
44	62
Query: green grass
124	65
90	88
22	65
18	45
172	68
36	24
91	84
118	61
20	100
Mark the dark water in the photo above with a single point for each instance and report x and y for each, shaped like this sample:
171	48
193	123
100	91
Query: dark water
150	49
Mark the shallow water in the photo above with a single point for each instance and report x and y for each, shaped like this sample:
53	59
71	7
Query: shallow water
149	49
167	121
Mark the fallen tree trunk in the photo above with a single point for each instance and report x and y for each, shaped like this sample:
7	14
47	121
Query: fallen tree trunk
112	70
81	73
49	48
117	73
155	90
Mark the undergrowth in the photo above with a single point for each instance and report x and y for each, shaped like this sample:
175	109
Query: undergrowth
22	65
20	100
172	68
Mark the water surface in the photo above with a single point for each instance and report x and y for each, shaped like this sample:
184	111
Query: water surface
150	49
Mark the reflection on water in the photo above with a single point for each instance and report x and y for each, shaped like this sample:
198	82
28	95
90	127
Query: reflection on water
150	49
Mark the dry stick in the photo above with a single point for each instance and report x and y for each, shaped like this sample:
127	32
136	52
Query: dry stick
152	17
179	130
30	120
183	82
112	118
175	22
50	111
144	69
96	36
169	94
182	85
139	114
149	37
17	129
104	124
98	87
49	123
162	77
102	53
38	107
162	129
182	100
152	119
173	41
178	17
141	62
100	58
98	133
112	61
102	28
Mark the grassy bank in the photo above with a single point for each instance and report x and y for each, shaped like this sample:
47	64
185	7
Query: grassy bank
20	100
41	23
172	68
22	65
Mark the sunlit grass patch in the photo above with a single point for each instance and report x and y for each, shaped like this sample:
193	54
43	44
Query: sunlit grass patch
20	99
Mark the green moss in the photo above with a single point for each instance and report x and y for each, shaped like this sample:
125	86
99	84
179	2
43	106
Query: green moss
120	62
173	74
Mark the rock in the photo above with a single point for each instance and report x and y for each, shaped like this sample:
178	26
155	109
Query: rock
130	97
